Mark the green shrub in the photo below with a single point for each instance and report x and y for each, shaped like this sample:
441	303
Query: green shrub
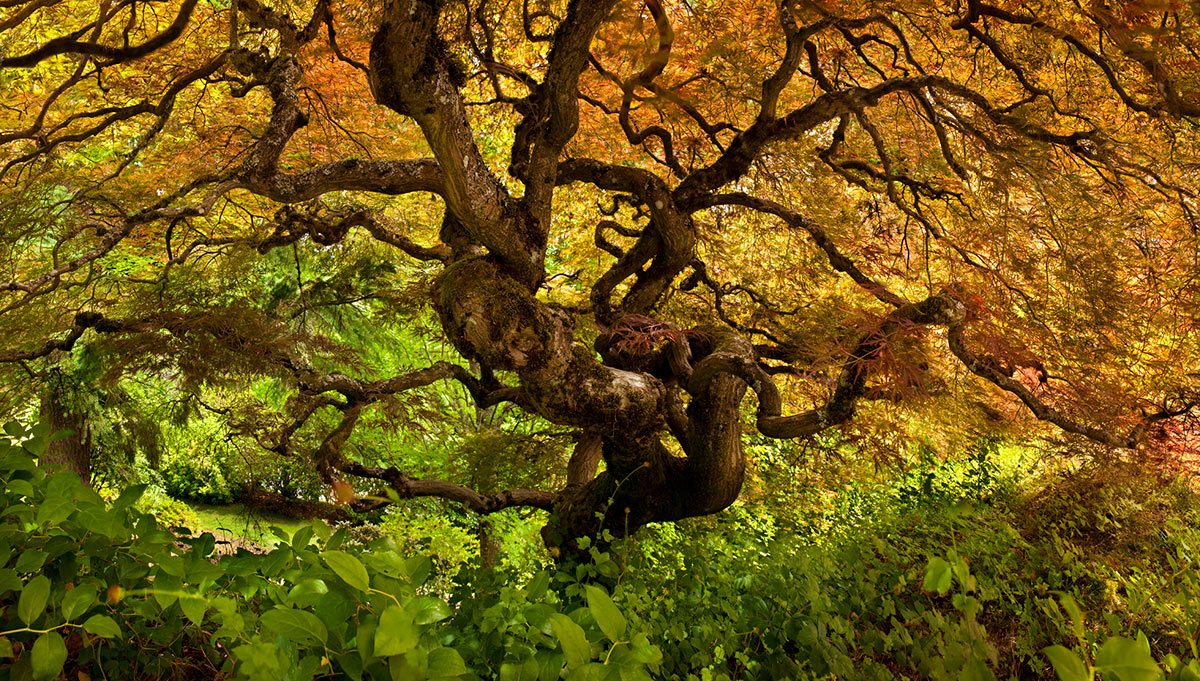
200	476
89	588
168	511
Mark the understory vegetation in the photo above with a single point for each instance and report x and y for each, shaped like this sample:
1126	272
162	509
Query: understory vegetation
996	563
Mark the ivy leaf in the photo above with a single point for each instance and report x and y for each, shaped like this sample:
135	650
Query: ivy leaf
349	568
48	656
33	599
605	612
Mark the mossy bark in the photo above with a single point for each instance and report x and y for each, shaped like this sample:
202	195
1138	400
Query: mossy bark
73	452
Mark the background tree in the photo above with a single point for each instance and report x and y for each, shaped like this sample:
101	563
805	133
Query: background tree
625	215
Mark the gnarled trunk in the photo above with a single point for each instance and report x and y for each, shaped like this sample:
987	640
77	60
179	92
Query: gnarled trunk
491	318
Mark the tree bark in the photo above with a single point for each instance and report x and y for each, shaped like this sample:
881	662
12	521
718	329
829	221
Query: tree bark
74	452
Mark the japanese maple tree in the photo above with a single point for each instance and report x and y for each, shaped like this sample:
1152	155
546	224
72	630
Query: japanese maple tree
644	212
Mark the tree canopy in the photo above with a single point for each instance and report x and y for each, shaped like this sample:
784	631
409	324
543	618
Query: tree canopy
624	217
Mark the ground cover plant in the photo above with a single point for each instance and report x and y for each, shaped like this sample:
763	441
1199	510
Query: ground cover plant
944	585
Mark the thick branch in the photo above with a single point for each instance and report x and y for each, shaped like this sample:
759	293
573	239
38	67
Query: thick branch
83	322
1040	409
408	488
413	74
382	177
70	44
941	309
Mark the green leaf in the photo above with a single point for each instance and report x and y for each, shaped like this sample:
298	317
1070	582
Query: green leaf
643	651
48	656
352	664
300	626
261	660
427	609
54	511
938	574
1188	672
408	667
1127	660
307	592
33	599
976	670
521	671
31	560
396	634
78	600
605	612
9	581
550	664
166	589
17	461
538	586
21	488
6	648
592	671
574	642
419	569
129	496
193	608
101	521
302	537
349	568
1072	608
102	625
445	662
306	669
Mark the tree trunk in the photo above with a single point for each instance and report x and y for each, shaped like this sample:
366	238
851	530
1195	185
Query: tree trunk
74	452
489	544
494	320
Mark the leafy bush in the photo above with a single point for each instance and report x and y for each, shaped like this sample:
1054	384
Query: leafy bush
854	610
198	475
914	586
100	590
168	511
938	576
